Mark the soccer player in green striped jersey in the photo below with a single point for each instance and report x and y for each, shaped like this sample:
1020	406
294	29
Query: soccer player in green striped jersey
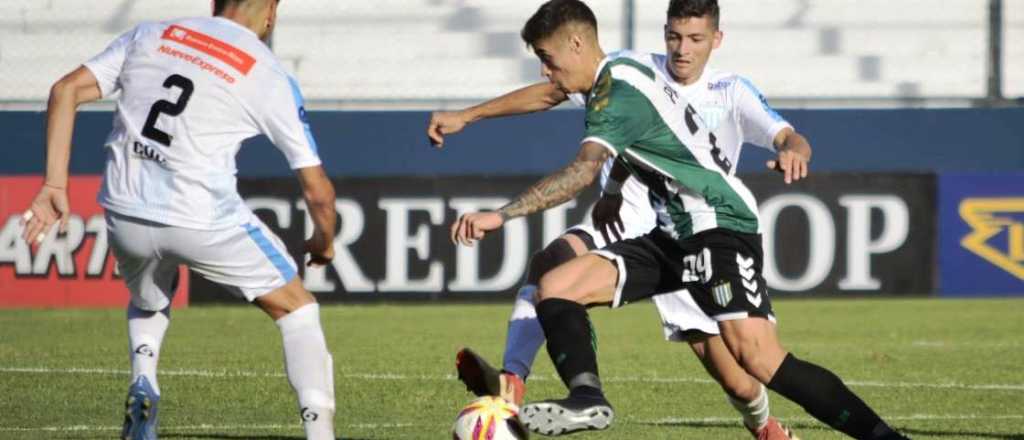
707	239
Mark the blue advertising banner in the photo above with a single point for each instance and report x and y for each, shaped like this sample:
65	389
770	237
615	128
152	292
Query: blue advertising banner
981	230
394	143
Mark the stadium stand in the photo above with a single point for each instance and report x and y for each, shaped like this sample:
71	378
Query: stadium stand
1013	49
436	50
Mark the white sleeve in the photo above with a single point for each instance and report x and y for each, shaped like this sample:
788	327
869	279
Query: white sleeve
284	122
759	122
106	66
578	99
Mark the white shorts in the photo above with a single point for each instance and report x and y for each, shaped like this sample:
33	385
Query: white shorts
248	259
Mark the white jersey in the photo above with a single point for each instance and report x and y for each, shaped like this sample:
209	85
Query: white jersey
731	107
191	91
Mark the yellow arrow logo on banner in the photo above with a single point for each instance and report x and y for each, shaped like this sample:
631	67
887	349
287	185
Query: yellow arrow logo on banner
988	217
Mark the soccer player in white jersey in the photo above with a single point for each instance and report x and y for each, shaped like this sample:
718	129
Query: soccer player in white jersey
738	113
191	90
707	238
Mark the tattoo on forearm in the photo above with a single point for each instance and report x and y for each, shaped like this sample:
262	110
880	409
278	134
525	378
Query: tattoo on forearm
553	190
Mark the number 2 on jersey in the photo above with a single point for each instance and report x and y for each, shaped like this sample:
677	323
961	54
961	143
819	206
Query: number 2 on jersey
168	108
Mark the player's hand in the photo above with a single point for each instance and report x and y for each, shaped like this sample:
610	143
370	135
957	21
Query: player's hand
791	164
442	123
471	227
320	250
49	207
606	217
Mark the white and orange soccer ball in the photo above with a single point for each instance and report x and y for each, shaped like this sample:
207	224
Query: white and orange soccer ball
489	418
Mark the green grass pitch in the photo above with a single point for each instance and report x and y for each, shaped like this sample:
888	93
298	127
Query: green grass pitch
937	369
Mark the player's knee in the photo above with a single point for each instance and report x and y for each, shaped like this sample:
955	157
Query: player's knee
560	283
285	299
741	387
552	256
551	287
754	361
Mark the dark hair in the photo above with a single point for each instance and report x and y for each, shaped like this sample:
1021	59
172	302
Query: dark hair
220	5
552	16
694	9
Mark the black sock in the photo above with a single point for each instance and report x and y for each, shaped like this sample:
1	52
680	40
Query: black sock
823	395
571	344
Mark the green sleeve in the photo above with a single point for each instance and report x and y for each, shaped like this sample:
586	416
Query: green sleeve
618	115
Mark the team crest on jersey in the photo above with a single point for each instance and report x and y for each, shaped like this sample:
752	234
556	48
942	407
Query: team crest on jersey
722	293
997	233
602	91
712	114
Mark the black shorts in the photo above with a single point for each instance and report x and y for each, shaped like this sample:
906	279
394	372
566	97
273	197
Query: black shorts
720	268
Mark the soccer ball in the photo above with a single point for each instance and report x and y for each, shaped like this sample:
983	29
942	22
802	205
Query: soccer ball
489	418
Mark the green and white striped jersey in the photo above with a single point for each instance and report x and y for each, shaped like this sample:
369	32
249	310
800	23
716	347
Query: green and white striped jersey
634	111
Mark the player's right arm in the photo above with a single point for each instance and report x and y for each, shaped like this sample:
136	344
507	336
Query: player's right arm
552	190
98	77
617	116
529	99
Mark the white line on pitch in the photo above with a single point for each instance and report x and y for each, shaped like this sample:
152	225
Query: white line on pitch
393	376
662	421
206	427
911	417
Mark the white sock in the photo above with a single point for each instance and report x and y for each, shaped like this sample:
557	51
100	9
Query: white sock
755	413
310	370
145	334
525	335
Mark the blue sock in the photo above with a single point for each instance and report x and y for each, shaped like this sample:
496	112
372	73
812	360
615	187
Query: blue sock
525	335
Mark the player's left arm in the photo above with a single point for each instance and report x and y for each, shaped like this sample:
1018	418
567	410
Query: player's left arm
284	121
761	125
51	205
552	190
606	215
794	154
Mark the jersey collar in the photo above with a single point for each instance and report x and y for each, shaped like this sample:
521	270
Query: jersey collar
597	74
236	25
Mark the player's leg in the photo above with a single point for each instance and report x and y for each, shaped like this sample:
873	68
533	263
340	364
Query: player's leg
754	342
734	292
745	393
152	281
615	275
308	363
564	293
252	262
525	335
683	321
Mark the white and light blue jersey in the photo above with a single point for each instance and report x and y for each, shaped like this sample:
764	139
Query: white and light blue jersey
191	90
732	108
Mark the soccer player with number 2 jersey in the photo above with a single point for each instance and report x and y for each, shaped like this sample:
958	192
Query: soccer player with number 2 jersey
191	90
